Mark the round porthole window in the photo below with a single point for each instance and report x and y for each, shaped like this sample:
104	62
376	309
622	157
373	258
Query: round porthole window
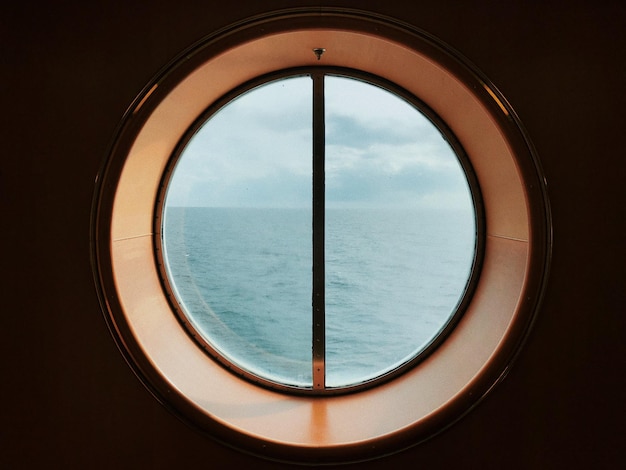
320	237
318	254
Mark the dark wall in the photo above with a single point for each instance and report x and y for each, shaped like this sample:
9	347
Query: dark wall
70	69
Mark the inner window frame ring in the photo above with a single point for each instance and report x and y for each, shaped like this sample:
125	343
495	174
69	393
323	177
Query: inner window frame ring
434	119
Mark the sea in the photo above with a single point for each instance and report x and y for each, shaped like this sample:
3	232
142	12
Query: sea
243	277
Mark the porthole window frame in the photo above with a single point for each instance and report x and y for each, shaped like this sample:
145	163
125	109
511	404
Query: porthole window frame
435	121
322	429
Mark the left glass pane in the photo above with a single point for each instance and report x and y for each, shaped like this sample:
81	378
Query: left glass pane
236	232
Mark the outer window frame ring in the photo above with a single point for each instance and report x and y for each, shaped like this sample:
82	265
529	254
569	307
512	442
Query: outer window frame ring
127	329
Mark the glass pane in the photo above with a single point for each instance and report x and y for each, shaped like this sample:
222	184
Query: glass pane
400	232
237	231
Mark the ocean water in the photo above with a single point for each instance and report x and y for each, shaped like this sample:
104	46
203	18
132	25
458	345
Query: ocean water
243	278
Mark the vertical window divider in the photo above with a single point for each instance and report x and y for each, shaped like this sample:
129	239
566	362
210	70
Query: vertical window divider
318	294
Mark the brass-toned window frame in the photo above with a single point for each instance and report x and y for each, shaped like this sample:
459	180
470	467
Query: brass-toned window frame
376	421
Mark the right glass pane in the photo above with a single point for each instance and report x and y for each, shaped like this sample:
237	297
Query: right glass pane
400	232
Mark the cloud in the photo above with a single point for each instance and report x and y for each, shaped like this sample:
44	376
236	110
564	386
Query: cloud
256	151
377	179
281	189
361	132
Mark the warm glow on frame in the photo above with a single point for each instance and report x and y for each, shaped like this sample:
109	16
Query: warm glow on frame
391	416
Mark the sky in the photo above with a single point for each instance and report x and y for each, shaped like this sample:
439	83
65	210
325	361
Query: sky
380	152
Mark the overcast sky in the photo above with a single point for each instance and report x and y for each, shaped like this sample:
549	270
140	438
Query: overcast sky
380	152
